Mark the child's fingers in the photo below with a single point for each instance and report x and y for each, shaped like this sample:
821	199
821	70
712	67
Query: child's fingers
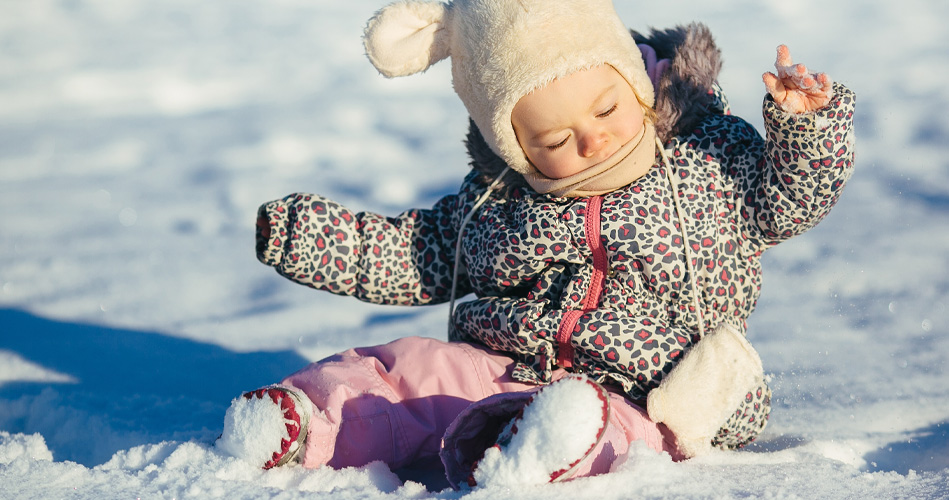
796	76
784	56
782	62
808	83
774	86
793	87
823	90
826	84
819	88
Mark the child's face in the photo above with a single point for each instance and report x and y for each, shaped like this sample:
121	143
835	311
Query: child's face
577	121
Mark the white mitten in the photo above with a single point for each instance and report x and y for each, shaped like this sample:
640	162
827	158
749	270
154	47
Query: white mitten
702	391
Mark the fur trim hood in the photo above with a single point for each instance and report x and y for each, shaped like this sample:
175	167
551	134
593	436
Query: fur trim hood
682	96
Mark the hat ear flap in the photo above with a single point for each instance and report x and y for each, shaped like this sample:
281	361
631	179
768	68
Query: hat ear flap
407	37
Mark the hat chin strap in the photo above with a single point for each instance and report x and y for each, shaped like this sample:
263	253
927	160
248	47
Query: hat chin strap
627	164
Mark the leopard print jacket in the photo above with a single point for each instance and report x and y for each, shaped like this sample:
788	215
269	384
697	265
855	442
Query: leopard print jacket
535	262
599	285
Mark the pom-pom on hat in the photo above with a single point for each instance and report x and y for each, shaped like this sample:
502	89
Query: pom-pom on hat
501	50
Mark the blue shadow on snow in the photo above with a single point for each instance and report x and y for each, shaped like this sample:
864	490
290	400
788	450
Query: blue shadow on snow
132	387
928	451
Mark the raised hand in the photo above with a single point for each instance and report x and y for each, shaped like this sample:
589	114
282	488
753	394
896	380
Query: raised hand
794	88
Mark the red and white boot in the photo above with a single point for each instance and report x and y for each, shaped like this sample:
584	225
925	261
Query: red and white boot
267	426
553	435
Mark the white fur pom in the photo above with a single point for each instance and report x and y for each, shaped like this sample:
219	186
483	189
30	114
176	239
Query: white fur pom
702	391
407	37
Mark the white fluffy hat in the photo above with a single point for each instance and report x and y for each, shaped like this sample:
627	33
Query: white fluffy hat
502	50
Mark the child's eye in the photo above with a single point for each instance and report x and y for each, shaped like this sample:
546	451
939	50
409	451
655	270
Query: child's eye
559	144
608	112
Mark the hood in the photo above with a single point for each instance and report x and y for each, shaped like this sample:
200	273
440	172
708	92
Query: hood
682	96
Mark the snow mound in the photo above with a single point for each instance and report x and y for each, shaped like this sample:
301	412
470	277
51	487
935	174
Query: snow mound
559	426
140	457
31	446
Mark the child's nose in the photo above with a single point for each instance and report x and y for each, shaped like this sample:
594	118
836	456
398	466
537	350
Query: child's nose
593	143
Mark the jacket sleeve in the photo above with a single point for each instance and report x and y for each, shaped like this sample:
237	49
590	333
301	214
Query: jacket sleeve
404	260
641	349
792	180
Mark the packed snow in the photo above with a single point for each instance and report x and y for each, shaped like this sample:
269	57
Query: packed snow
254	429
138	137
558	427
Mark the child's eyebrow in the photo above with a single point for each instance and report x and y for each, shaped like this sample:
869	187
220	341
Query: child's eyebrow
596	102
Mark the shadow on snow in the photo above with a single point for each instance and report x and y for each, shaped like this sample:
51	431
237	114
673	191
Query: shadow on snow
131	388
927	451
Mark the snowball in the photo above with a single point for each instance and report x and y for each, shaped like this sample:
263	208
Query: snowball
558	427
253	429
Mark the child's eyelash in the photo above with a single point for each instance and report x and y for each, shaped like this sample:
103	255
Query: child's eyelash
608	112
559	144
604	114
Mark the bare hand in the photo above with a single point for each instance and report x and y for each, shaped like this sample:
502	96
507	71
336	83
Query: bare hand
794	89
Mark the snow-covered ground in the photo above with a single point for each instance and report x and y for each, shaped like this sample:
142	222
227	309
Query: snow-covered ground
137	138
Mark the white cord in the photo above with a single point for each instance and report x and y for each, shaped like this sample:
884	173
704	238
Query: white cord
461	232
685	237
679	214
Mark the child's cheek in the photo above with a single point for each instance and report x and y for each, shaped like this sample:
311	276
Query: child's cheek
632	124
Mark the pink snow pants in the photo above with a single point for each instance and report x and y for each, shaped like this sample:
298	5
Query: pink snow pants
394	402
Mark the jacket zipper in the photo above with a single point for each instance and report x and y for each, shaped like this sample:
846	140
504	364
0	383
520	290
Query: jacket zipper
601	269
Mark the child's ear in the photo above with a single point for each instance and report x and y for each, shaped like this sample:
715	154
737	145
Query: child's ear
407	37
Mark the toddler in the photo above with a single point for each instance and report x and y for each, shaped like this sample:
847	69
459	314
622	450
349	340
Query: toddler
610	232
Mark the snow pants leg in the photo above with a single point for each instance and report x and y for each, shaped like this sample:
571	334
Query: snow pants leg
394	403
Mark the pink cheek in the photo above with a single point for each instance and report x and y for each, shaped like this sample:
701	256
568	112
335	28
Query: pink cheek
632	127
